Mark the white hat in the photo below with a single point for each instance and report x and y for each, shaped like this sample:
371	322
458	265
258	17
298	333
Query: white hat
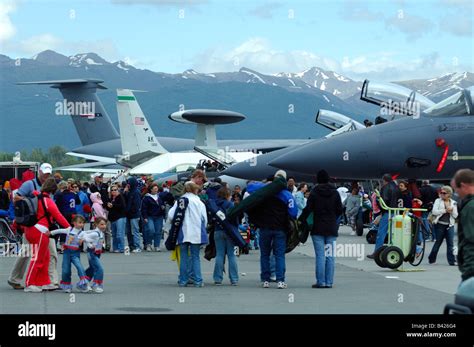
97	174
281	173
46	168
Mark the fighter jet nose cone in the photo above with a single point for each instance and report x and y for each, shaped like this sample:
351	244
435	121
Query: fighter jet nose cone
285	162
239	170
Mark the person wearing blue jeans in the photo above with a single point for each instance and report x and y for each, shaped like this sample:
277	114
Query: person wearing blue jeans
95	270
132	209
325	204
118	235
390	194
445	212
153	227
72	257
382	231
272	241
133	234
153	209
443	232
225	246
429	230
189	254
324	249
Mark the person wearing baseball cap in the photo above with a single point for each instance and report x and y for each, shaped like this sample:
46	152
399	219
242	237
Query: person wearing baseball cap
27	189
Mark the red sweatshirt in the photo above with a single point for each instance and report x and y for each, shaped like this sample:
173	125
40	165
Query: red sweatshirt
53	211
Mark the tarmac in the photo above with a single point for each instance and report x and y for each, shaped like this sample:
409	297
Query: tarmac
147	283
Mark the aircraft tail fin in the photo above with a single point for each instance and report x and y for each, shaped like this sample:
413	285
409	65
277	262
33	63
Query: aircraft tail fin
81	102
139	143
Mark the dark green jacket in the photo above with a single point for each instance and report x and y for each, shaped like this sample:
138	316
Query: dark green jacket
466	238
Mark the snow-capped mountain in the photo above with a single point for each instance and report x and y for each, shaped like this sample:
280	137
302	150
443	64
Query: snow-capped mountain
329	81
439	88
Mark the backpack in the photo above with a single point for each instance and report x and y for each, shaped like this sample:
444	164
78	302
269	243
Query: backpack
26	211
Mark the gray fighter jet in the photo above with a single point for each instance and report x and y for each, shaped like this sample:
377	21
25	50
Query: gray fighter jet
424	140
429	143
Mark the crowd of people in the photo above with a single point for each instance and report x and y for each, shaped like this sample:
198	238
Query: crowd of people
135	215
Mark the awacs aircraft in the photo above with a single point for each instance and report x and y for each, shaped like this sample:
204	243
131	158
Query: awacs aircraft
431	143
140	143
101	142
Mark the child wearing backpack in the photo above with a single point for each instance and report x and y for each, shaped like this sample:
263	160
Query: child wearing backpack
72	255
94	240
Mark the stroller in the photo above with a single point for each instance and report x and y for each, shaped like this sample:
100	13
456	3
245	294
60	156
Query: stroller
7	234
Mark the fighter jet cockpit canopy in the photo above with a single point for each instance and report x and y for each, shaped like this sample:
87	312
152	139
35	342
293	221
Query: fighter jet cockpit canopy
398	100
459	104
334	121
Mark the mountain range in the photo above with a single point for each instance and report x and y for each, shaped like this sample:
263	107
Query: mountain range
282	105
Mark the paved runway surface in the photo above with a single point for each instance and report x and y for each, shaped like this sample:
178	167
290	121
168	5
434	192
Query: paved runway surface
147	283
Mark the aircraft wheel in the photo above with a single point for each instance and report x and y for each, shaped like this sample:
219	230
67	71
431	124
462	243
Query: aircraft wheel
378	258
392	257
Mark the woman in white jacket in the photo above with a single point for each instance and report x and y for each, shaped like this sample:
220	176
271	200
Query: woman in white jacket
191	236
445	212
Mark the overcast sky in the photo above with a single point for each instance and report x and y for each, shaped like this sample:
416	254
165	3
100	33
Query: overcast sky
384	40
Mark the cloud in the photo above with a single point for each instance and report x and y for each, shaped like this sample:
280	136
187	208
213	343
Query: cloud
459	25
265	11
106	48
413	26
7	29
359	12
256	53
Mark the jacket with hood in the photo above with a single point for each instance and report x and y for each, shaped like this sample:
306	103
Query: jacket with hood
325	203
133	199
152	207
67	201
466	238
117	210
97	208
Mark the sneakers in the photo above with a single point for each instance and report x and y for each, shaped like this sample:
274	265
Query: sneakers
282	285
266	284
157	249
15	285
199	285
137	250
370	256
50	287
148	248
235	284
33	289
218	283
273	279
97	289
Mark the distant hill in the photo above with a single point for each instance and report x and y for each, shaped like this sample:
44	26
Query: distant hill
283	105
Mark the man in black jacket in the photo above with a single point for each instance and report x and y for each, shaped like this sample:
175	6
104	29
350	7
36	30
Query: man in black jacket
273	223
390	193
325	204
